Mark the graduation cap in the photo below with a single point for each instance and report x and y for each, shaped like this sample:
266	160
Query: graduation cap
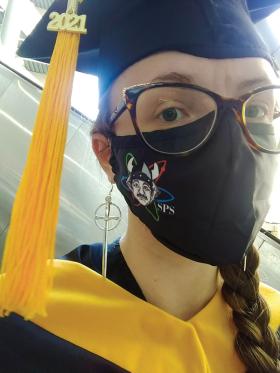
122	32
119	33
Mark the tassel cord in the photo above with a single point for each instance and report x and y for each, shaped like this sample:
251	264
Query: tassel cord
30	243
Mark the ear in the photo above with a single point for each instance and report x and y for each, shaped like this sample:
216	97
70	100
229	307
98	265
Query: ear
102	149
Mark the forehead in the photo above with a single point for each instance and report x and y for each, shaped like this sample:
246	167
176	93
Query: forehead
217	75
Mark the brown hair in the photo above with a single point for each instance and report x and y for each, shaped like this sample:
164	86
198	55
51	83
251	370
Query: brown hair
101	124
255	343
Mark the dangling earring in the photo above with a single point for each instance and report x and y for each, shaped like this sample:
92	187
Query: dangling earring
111	222
245	263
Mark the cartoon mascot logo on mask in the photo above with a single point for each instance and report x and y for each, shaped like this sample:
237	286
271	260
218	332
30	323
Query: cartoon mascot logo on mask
142	183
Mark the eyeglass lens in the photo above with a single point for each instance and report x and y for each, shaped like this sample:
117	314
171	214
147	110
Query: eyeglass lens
175	119
261	115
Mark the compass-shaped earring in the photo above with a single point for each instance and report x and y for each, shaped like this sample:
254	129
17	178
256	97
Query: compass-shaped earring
107	217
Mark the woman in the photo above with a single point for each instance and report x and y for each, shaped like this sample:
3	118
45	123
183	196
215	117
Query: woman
192	150
170	281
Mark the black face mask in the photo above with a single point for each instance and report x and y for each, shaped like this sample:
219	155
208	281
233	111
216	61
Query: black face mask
208	206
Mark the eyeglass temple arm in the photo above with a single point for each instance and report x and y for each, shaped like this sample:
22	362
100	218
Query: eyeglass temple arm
117	112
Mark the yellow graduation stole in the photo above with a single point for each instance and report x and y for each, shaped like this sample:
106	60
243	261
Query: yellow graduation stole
96	314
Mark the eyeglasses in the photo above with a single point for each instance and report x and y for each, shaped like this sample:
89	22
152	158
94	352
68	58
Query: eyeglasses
178	118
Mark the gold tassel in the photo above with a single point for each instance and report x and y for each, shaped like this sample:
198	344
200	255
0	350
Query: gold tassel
27	271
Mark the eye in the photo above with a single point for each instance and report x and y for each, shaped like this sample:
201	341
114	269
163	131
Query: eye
171	114
256	112
146	188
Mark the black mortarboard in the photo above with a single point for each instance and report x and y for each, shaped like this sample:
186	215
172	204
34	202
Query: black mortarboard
121	32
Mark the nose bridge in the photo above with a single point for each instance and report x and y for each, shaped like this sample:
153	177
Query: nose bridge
229	102
233	104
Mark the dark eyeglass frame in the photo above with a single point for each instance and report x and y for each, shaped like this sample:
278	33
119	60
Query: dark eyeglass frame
132	93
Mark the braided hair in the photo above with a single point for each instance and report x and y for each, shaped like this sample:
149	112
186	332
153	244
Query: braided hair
256	344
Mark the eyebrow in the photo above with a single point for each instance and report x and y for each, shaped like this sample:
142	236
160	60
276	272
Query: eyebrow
175	77
189	79
255	83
